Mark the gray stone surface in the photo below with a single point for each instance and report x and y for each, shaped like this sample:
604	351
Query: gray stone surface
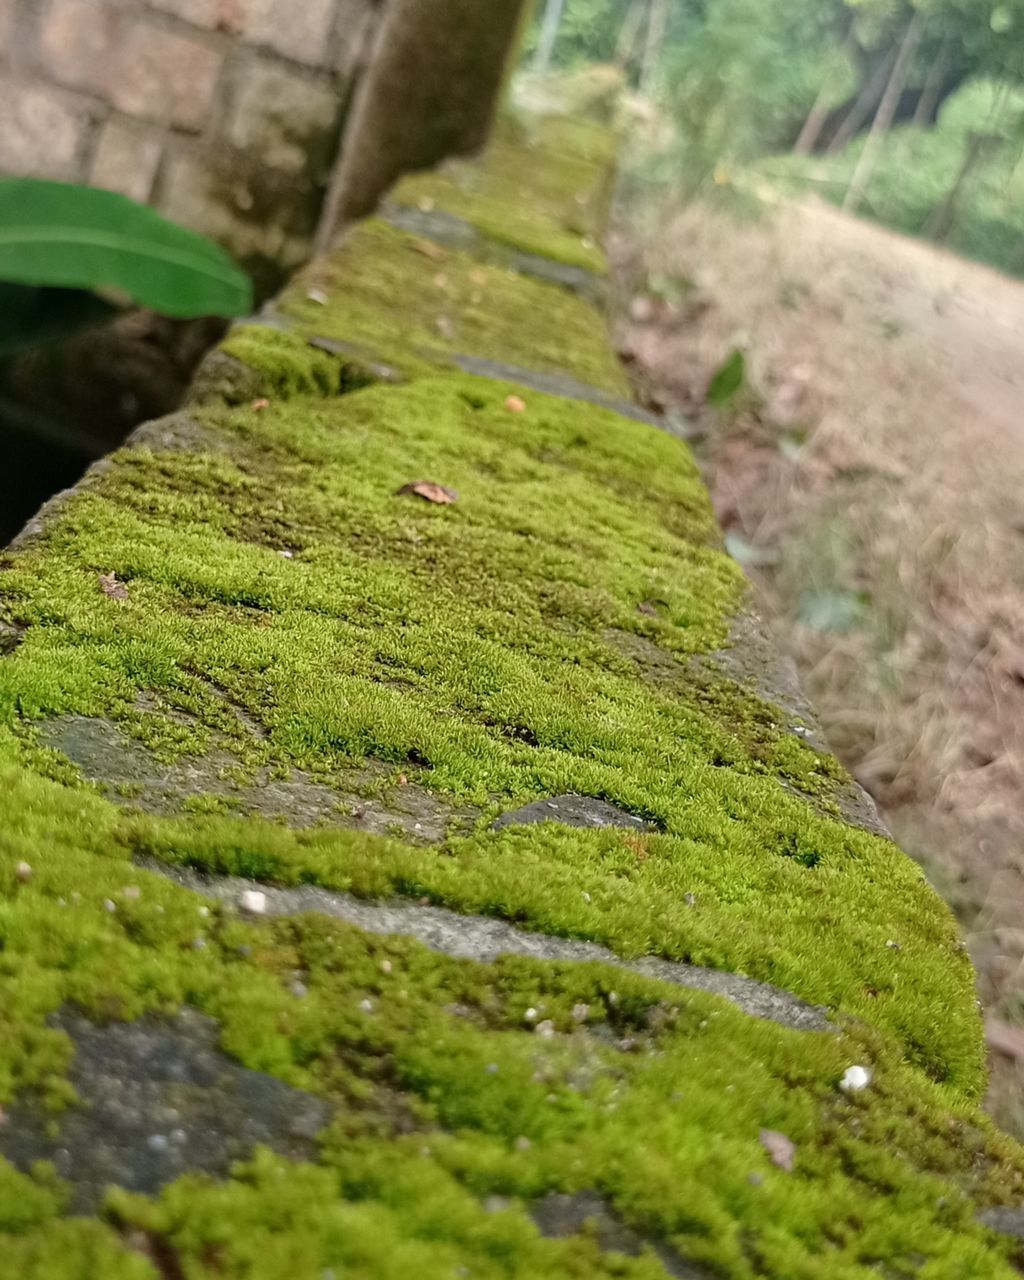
554	384
134	777
572	811
159	1099
559	1216
485	940
453	232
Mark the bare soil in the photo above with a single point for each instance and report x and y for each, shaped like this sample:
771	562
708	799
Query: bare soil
872	478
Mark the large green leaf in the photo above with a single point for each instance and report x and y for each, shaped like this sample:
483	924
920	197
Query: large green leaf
70	237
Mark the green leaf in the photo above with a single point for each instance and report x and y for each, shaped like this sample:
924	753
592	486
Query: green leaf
728	381
831	610
71	237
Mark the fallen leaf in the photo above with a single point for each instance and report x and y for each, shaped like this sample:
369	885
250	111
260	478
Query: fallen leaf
259	405
112	588
637	845
430	492
514	405
781	1150
403	781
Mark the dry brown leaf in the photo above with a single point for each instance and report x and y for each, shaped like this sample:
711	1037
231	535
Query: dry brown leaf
429	250
111	587
431	492
259	405
514	405
780	1148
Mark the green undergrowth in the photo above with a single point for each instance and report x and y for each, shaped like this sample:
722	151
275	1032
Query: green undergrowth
545	193
409	301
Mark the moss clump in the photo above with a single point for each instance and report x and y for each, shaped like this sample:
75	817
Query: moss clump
289	608
544	193
412	303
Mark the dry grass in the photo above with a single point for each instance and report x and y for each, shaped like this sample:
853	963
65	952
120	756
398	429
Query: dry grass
875	468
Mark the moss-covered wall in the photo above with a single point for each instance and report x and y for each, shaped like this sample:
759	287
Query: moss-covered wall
275	735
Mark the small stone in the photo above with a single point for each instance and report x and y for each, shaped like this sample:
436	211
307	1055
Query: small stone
179	1136
288	555
580	1012
299	989
199	943
204	912
492	1068
157	1142
366	1006
245	952
756	1179
586	896
109	905
523	1144
385	966
514	404
545	1029
132	893
253	902
23	873
893	946
690	899
855	1079
531	1015
318	296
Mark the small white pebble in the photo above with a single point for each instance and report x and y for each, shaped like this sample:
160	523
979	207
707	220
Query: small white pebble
157	1142
318	296
530	1015
299	989
492	1068
586	896
288	555
613	997
132	893
580	1012
179	1136
855	1079
545	1029
366	1006
109	905
199	944
893	945
385	966
23	872
204	912
523	1144
253	902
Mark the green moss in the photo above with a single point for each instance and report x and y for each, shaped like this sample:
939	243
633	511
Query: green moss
545	192
289	608
414	304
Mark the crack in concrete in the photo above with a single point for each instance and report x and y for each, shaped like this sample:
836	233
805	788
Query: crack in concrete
485	940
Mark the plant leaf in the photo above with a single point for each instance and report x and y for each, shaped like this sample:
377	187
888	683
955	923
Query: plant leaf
728	380
71	237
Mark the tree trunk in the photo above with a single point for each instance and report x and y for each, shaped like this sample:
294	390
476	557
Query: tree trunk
884	116
630	34
549	35
815	121
431	90
928	103
656	30
864	105
979	147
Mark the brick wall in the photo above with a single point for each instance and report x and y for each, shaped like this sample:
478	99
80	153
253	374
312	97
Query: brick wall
224	114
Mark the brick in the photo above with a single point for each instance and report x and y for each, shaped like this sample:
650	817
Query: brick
296	30
41	135
144	71
283	117
126	160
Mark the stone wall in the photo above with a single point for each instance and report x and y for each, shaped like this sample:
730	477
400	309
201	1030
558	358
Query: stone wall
223	114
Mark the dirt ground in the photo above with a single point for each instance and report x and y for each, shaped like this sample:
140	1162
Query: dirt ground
871	479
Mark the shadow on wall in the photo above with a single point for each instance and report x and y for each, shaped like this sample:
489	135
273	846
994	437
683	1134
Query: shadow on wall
64	406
